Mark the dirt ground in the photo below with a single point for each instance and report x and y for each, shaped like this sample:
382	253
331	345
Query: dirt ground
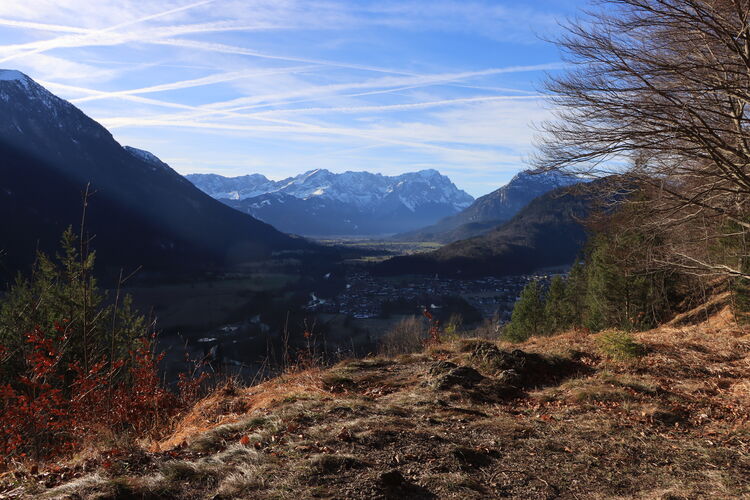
558	417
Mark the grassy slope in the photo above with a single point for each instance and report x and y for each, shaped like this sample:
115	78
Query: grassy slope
671	424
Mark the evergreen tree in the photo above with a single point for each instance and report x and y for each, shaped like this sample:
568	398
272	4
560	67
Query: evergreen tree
558	314
604	297
527	318
575	294
615	284
62	296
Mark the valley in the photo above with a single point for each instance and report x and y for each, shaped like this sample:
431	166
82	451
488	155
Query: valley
368	296
251	317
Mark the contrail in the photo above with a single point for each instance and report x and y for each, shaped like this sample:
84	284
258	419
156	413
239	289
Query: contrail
288	125
133	98
145	35
42	26
61	41
298	127
230	108
230	49
197	82
397	107
411	81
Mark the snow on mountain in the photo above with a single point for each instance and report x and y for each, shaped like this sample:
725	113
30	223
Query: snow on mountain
363	190
494	208
233	188
527	182
13	81
148	157
35	107
11	75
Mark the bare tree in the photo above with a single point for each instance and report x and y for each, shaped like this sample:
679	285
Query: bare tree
658	92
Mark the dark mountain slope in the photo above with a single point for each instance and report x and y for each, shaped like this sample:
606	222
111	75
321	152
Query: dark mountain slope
141	211
327	217
491	210
546	233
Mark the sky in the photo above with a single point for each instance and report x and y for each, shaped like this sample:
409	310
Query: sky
280	87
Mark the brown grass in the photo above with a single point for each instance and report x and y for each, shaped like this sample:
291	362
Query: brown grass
219	409
673	423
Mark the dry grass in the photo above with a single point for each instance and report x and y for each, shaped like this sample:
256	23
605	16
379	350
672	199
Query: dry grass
221	409
670	424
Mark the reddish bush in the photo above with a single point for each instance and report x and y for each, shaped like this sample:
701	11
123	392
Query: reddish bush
434	331
51	409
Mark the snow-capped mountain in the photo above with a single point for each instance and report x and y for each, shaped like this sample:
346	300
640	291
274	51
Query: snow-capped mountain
233	188
363	190
320	202
141	211
492	209
507	201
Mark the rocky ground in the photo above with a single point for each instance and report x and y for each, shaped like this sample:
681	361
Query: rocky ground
661	415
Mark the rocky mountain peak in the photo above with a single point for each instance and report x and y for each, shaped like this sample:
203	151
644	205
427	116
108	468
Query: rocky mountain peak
363	190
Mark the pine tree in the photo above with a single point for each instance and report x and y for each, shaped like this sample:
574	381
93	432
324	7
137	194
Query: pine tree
62	295
558	314
624	288
604	299
527	318
575	294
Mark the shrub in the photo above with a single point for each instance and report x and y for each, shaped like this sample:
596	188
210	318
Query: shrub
73	365
527	318
64	292
454	327
620	345
48	410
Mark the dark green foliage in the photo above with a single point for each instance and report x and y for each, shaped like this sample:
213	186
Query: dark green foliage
605	284
614	285
621	345
528	314
62	295
733	251
624	289
575	293
558	313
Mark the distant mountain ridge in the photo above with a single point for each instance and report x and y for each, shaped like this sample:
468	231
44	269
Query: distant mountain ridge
491	210
548	232
141	211
319	202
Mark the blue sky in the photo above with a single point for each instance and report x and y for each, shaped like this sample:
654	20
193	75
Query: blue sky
279	87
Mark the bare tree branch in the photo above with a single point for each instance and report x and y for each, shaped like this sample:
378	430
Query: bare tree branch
659	94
